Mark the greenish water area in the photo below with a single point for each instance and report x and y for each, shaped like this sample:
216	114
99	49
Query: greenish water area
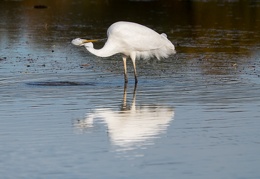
65	113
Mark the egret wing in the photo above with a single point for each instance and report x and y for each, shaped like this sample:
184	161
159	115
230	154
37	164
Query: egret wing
135	36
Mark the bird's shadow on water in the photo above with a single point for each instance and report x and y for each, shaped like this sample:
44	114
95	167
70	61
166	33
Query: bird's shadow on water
60	83
131	125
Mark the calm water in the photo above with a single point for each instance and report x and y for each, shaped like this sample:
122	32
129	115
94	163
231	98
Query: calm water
65	113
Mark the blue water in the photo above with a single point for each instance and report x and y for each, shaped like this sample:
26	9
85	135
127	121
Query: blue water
65	113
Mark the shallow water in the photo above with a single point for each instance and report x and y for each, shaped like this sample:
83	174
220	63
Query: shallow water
65	113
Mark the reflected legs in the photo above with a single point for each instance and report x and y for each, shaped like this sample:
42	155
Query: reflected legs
124	103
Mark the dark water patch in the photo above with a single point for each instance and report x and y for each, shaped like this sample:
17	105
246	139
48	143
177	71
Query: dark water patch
40	6
60	83
2	59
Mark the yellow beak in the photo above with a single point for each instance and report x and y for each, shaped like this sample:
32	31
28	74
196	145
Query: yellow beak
87	41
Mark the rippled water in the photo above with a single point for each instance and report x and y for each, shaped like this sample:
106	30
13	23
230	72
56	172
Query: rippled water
65	113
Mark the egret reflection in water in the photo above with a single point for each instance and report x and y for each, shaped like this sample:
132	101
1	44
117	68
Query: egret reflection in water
131	125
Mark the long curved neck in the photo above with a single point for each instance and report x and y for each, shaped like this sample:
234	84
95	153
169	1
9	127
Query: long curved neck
107	51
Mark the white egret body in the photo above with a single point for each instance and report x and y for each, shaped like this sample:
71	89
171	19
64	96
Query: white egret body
131	40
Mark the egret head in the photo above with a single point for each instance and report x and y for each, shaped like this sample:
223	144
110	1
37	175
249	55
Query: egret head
82	42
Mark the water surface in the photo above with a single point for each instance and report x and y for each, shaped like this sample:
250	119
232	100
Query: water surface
65	113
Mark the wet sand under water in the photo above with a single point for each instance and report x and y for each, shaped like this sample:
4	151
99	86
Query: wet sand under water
65	113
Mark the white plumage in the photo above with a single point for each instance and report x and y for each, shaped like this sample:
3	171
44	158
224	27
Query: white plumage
131	39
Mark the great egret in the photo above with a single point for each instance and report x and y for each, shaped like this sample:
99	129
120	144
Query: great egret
131	39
